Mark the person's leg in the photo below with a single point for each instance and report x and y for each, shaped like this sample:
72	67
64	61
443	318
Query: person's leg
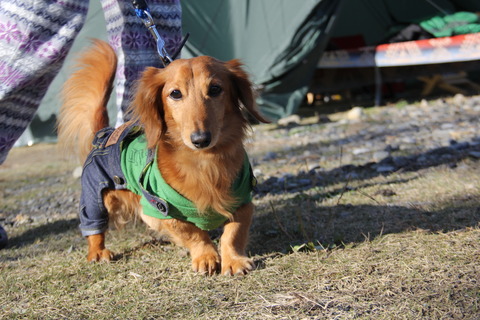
35	37
135	46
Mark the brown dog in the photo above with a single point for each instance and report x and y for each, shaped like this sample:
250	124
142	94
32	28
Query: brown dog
191	114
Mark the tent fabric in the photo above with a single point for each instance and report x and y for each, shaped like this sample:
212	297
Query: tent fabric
279	41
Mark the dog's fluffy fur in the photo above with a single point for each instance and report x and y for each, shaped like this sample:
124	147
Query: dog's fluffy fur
192	111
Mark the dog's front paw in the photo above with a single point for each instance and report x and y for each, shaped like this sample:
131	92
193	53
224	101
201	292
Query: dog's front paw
99	255
207	263
238	265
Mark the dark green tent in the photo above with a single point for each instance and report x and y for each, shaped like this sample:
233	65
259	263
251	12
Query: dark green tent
280	42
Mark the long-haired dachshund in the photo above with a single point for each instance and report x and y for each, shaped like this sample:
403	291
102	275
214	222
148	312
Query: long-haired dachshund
179	164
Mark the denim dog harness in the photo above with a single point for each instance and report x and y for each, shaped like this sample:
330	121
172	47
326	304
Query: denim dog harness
102	170
120	160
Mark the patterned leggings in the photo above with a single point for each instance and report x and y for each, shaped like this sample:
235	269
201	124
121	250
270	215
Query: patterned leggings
36	35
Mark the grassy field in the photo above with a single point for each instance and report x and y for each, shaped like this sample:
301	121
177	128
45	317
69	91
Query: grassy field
404	245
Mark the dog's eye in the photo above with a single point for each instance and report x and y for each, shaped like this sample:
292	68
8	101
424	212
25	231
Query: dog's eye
176	94
214	90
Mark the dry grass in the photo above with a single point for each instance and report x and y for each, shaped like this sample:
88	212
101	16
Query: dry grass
398	246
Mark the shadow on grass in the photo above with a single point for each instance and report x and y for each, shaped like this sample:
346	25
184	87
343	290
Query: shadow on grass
282	224
301	219
42	232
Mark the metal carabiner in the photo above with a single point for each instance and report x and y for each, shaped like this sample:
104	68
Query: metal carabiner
143	12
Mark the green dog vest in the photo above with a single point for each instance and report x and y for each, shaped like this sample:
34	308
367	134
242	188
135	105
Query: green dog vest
143	178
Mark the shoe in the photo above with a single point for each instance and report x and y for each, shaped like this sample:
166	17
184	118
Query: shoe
3	238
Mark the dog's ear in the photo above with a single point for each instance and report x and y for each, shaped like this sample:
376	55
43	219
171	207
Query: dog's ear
147	106
243	87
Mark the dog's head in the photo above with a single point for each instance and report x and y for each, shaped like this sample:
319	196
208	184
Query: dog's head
197	101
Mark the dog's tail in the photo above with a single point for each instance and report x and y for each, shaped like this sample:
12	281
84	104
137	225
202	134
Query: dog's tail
84	98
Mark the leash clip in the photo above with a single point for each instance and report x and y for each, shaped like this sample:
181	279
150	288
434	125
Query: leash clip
143	12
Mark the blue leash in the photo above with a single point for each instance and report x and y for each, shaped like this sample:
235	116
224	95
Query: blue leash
143	12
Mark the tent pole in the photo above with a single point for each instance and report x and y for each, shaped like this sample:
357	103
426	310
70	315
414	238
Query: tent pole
378	86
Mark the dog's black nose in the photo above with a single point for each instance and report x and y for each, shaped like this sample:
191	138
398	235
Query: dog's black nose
201	139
